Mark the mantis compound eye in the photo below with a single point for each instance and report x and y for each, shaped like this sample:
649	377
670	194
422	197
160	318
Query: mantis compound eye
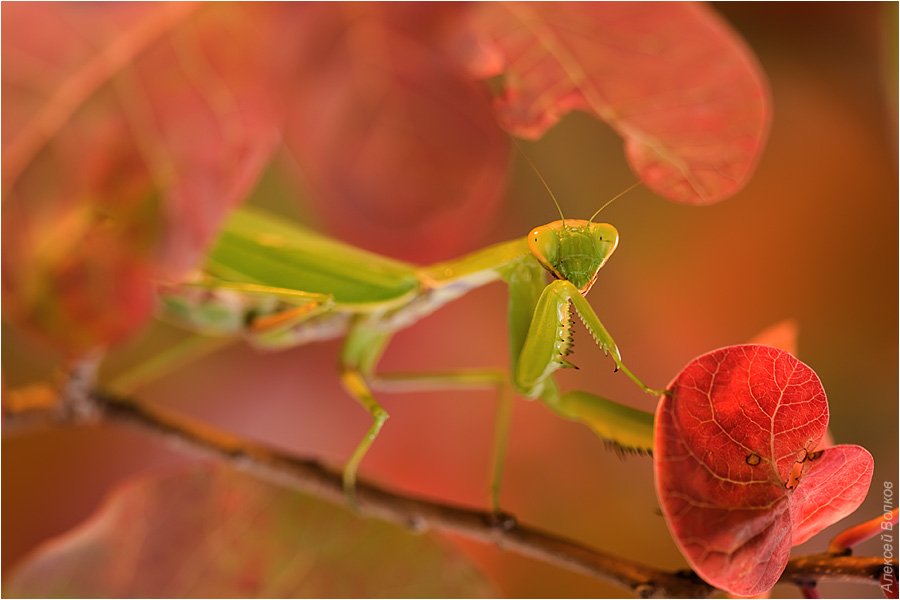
606	238
544	245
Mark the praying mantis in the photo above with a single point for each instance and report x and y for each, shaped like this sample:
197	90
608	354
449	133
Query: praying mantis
280	285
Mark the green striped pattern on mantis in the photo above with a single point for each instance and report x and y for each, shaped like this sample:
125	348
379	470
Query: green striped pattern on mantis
279	285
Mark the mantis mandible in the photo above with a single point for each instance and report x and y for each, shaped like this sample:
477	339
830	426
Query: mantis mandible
280	285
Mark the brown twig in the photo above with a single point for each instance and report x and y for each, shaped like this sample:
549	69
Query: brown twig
847	539
418	514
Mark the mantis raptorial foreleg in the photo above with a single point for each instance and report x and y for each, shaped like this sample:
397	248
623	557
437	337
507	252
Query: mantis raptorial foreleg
549	338
604	340
544	351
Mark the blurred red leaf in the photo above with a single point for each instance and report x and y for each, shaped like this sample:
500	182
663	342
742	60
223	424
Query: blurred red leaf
781	335
739	473
399	146
672	78
217	533
131	129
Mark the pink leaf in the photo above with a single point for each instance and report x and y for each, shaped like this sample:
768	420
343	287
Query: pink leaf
738	473
672	78
220	534
833	487
399	148
131	129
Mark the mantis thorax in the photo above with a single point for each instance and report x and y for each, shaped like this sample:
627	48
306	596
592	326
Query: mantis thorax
573	249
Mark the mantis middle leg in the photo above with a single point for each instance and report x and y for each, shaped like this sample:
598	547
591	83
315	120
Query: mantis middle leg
465	379
363	348
365	343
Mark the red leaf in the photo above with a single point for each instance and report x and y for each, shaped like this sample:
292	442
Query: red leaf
737	471
400	149
130	130
221	534
784	335
833	487
673	79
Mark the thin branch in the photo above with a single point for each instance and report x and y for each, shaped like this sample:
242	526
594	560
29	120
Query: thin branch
846	540
313	478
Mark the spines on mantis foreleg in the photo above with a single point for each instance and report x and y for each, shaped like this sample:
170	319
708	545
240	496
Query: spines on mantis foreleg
547	344
565	336
565	343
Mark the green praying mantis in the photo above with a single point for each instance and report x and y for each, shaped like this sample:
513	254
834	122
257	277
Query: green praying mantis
280	285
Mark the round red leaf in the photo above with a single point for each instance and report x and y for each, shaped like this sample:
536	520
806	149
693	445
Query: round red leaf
739	473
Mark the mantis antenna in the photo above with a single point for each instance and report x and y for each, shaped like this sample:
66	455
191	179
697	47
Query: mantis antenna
541	177
614	198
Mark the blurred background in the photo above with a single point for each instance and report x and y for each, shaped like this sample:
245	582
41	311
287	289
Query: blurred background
812	238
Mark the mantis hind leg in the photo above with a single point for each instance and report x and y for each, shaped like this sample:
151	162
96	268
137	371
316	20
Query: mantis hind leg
264	314
624	428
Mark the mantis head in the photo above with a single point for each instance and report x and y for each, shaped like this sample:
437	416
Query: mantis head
574	250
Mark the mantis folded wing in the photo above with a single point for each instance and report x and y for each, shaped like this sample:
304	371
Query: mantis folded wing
280	285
